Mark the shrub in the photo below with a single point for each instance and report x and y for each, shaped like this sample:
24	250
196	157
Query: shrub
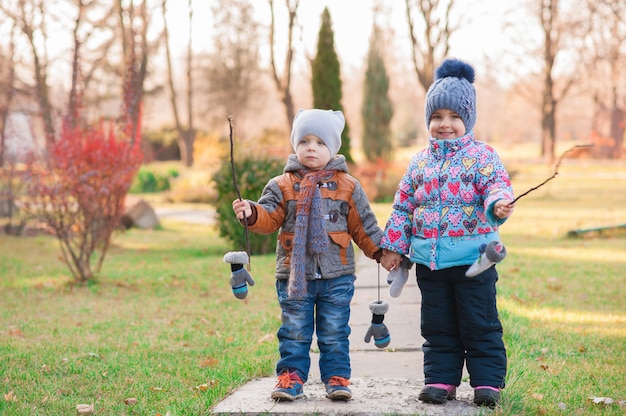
252	175
79	192
12	188
147	181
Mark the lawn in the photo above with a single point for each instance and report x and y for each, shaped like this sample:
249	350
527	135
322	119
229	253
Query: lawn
160	332
562	300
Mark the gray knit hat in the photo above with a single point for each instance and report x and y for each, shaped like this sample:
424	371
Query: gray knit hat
453	90
325	124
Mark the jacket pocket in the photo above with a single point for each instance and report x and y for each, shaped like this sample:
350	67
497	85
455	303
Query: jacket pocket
343	240
286	243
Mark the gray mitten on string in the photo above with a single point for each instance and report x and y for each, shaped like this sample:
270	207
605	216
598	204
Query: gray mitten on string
239	278
377	328
489	254
397	277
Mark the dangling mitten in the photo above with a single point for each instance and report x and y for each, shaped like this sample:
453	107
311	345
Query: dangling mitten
377	329
239	278
489	254
397	277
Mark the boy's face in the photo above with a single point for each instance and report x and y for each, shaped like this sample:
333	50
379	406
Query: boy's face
312	152
446	124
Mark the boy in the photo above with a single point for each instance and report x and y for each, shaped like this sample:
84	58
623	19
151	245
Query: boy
318	209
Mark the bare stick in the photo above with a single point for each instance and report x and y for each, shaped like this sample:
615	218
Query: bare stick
556	171
234	175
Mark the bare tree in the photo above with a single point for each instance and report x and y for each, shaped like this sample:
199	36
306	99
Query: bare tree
95	36
430	29
134	23
283	81
562	32
186	135
232	67
548	66
7	84
30	17
608	40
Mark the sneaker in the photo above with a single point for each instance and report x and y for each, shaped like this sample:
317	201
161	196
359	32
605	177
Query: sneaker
486	396
337	388
437	393
289	387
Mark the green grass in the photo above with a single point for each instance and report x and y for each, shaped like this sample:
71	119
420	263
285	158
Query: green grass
162	326
562	299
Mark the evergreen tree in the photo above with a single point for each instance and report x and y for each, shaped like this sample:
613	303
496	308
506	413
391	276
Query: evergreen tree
377	110
326	78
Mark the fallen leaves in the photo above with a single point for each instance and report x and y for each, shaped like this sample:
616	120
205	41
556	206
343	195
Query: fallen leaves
601	400
10	397
209	362
537	396
15	332
593	400
85	409
206	386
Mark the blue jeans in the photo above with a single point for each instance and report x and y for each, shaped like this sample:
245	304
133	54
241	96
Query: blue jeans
326	310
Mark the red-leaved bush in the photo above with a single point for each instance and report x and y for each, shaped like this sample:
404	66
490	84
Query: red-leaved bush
80	192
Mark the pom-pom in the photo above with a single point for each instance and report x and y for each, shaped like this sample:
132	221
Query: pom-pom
455	68
236	257
379	307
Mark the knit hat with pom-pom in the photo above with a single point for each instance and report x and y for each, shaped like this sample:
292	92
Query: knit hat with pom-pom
453	90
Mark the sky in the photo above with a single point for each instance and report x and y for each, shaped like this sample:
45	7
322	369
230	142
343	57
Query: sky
480	32
352	23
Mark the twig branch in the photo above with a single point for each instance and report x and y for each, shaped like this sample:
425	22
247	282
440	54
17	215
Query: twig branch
556	171
234	175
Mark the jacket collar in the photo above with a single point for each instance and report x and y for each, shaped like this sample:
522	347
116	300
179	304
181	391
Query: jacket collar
442	148
338	163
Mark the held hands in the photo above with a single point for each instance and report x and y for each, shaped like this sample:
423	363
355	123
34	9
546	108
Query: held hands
398	267
390	260
398	277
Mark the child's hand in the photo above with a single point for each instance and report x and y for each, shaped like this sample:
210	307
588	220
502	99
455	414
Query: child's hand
503	208
242	208
390	260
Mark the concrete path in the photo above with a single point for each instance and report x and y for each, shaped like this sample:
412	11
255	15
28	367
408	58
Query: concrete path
384	382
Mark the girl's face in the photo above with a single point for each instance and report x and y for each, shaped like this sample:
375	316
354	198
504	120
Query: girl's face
312	152
446	124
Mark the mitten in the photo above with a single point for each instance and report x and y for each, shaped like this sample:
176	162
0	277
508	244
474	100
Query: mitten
489	254
377	329
239	278
397	277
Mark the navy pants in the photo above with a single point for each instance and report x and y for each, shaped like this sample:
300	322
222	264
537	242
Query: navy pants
460	325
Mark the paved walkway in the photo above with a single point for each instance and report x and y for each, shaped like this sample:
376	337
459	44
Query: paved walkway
384	382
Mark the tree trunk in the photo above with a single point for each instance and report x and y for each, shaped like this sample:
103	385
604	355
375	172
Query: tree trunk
617	132
283	84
